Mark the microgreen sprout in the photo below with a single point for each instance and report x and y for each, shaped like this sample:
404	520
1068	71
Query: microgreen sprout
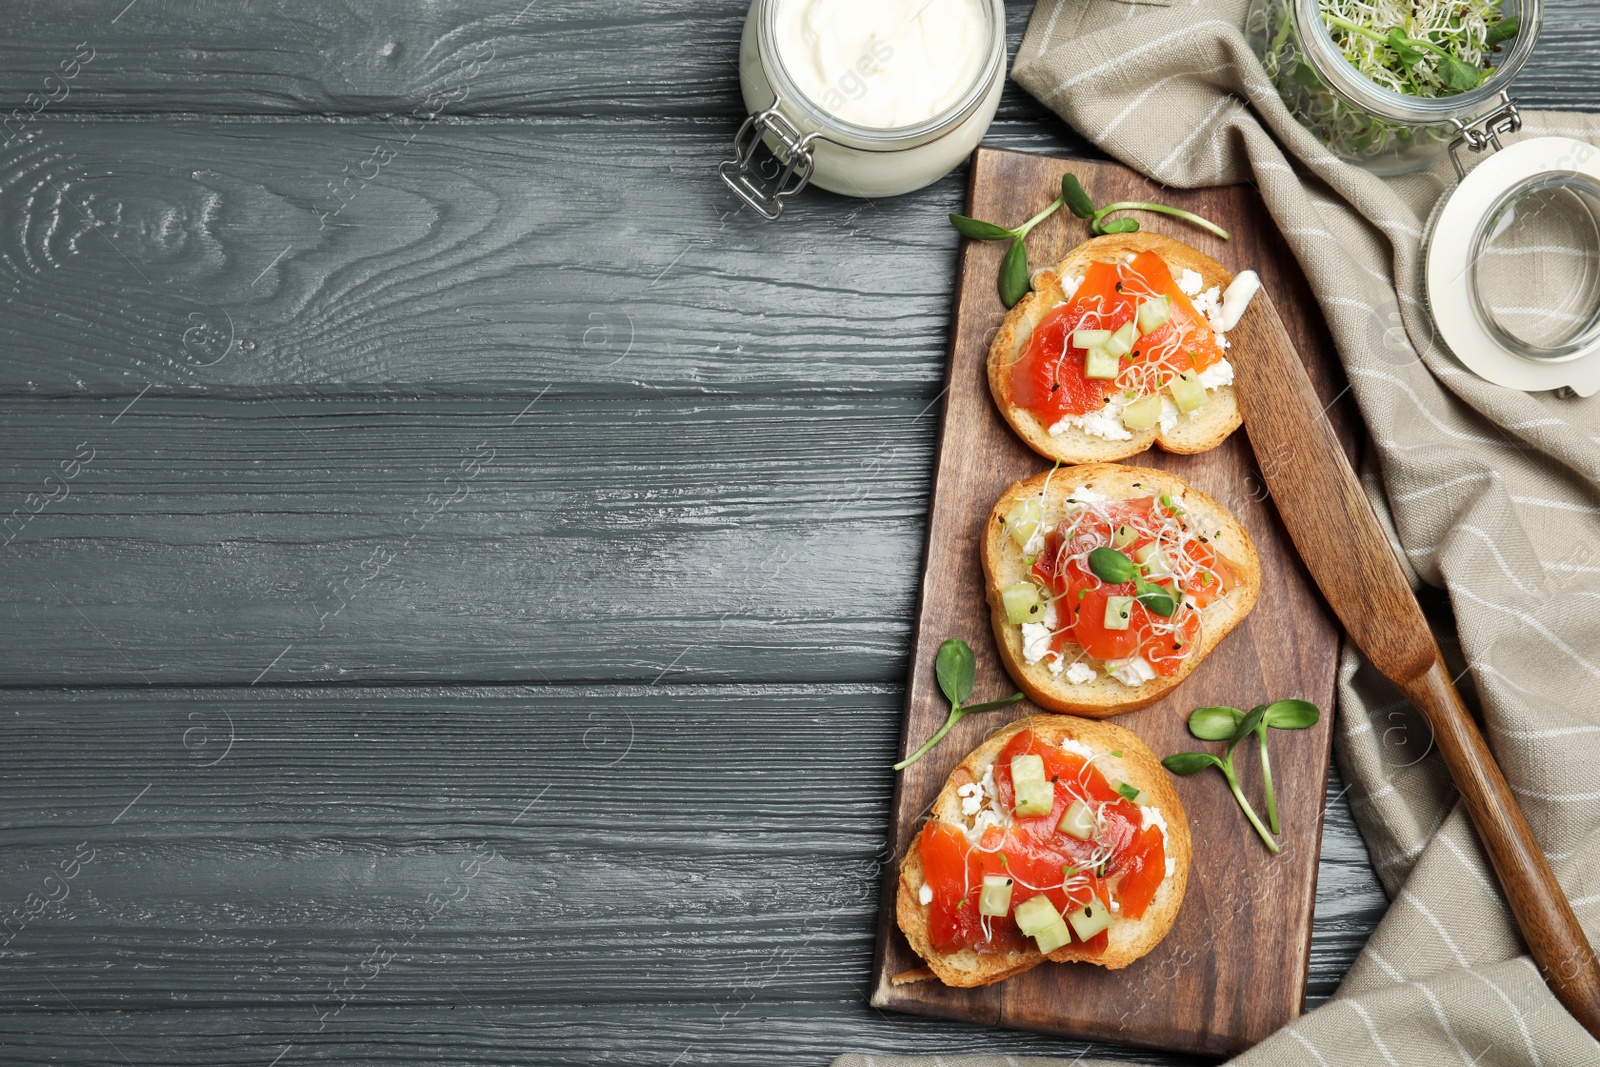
1187	763
1015	277
1112	566
1080	204
1233	725
1437	49
956	669
1282	715
1115	568
1452	73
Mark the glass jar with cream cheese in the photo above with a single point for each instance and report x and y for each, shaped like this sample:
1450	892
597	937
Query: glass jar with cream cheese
863	97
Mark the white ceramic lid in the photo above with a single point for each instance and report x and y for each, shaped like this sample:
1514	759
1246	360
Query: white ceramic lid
1453	241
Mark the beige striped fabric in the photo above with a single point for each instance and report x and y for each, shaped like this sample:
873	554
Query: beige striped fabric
1494	497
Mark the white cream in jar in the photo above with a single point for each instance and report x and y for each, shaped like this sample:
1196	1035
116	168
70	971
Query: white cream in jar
863	97
883	63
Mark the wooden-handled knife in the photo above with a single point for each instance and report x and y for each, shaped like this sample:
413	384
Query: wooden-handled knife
1344	546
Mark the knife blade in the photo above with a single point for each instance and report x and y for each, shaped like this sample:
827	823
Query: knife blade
1343	544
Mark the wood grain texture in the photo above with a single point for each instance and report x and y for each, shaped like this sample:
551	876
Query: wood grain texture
1187	994
285	832
727	1026
238	256
487	260
201	540
1345	547
555	57
303	57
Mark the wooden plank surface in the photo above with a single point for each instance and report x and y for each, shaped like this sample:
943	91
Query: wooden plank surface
1188	993
557	181
554	57
231	257
276	835
204	540
285	827
475	57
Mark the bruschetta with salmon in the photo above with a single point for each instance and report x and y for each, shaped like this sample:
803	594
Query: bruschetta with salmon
1058	838
1122	346
1109	584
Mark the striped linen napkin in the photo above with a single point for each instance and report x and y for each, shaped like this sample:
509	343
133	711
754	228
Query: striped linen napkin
1493	495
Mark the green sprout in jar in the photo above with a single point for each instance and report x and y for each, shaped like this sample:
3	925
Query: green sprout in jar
1427	48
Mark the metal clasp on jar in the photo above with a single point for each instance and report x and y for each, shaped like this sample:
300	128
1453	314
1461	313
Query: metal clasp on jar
1485	132
794	155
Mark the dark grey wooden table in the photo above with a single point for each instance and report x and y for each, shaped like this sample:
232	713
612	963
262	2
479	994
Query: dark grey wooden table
458	569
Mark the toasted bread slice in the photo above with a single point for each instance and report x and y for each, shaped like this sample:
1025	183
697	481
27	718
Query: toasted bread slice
1205	429
1129	938
1003	565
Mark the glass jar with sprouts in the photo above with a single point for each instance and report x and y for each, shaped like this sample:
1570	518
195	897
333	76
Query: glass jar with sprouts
1389	85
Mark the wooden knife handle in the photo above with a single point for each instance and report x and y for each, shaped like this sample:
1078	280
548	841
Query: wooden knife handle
1554	937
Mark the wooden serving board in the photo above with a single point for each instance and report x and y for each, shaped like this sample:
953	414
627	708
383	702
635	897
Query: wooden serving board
1233	968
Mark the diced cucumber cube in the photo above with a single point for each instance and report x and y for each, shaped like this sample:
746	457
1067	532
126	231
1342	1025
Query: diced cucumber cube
1053	936
1118	611
1153	560
1090	338
1153	314
1187	392
1022	602
1023	520
996	896
1142	413
1035	914
1099	363
1034	797
1037	918
1123	536
1027	767
1122	340
1078	821
1090	919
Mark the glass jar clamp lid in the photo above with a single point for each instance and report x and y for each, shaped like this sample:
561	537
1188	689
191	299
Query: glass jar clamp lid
862	99
1511	266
